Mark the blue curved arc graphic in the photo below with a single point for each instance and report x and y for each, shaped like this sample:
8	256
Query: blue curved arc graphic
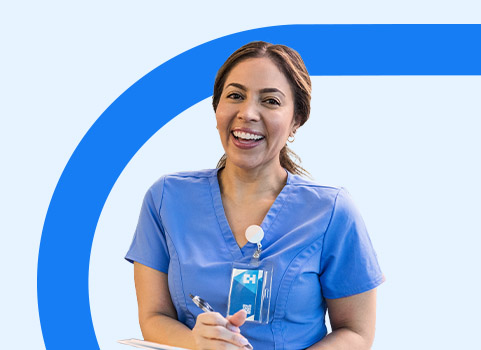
98	160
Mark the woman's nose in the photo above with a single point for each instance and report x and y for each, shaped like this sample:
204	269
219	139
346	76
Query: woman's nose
248	111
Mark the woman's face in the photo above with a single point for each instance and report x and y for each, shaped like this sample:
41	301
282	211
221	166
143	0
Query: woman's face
255	114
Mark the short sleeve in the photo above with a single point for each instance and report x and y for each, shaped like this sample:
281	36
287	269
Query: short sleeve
348	261
149	246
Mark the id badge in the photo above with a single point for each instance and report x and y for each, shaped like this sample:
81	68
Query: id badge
250	289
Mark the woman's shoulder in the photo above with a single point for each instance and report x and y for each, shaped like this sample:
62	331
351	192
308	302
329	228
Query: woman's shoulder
192	174
183	178
311	194
338	198
302	182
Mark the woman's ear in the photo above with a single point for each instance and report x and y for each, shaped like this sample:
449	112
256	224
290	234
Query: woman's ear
296	124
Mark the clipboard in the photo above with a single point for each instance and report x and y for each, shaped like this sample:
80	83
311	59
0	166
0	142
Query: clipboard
148	345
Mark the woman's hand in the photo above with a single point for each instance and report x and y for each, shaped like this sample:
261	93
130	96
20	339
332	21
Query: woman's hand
213	331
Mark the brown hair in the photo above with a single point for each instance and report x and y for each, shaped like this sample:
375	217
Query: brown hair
291	64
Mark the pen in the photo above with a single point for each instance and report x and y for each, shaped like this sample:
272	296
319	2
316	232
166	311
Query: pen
204	306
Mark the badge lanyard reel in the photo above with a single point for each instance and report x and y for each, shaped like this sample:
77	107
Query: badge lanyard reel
250	285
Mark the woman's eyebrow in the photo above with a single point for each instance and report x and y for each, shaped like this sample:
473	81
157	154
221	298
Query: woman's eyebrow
262	91
237	85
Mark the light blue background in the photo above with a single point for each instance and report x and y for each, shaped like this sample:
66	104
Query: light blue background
413	149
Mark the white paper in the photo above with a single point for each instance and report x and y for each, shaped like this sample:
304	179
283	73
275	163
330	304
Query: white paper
148	345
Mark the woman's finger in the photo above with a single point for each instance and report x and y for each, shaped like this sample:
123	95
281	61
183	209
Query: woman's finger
223	334
232	328
212	319
216	319
212	326
238	319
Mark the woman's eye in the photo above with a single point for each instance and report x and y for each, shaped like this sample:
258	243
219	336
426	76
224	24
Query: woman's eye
234	96
272	101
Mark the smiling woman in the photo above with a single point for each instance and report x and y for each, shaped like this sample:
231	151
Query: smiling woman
290	70
191	238
255	115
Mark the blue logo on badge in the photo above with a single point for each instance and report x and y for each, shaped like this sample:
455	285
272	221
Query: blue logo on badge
246	278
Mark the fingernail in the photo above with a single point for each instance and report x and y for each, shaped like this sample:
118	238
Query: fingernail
243	341
232	328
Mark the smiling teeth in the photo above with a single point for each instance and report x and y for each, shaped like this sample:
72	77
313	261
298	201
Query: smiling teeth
246	135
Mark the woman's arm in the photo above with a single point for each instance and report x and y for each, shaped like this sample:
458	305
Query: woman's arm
353	322
158	318
157	315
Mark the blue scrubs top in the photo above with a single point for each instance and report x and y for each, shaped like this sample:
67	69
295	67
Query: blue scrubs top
314	237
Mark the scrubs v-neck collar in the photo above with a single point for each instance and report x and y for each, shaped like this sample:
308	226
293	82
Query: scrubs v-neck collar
248	249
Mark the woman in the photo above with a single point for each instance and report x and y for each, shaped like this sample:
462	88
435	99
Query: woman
192	227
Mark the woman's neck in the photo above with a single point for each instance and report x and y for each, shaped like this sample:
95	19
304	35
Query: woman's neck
241	185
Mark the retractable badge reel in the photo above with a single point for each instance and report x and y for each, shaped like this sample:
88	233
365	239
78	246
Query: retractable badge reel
250	287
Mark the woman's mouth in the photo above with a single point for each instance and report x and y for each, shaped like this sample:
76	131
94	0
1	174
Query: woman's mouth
246	140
